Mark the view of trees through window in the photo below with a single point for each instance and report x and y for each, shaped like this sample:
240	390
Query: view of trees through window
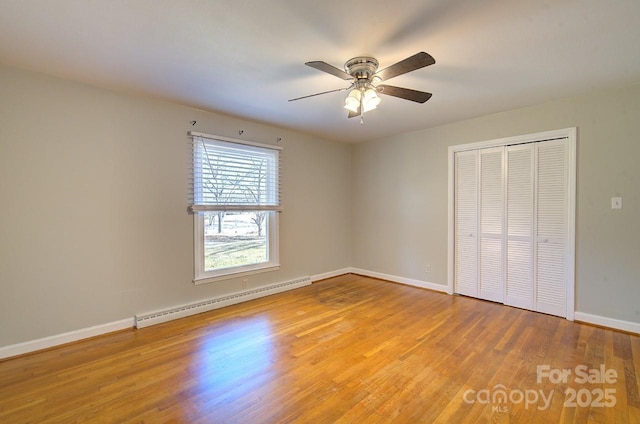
240	179
234	239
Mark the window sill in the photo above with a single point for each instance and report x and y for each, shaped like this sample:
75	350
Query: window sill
232	275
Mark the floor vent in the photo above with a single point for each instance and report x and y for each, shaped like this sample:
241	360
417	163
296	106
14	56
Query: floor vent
145	320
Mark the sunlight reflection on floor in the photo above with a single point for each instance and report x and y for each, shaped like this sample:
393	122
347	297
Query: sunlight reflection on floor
234	360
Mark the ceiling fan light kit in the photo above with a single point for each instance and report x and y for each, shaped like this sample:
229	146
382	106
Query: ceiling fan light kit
364	99
352	102
370	100
366	80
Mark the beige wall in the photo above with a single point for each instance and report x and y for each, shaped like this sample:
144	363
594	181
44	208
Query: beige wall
400	196
93	205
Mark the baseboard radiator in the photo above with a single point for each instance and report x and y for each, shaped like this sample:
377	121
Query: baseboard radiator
146	320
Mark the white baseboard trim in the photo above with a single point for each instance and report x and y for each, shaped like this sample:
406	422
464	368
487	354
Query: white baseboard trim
170	314
633	327
401	280
59	339
154	318
330	274
84	333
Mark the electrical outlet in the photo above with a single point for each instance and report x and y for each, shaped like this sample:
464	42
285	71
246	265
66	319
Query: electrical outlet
427	268
245	283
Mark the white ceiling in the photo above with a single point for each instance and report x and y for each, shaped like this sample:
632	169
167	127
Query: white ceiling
246	57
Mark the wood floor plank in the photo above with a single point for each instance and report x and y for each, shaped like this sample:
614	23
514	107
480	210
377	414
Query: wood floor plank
347	349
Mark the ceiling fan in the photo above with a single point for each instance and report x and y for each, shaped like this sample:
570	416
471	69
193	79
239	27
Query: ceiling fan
366	81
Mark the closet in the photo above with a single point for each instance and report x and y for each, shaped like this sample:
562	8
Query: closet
513	219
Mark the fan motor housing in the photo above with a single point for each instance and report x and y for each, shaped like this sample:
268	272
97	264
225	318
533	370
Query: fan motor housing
361	67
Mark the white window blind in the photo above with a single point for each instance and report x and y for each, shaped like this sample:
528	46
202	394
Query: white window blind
234	175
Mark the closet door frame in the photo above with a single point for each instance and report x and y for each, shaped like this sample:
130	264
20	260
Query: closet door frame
571	135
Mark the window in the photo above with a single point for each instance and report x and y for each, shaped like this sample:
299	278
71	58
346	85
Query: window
235	201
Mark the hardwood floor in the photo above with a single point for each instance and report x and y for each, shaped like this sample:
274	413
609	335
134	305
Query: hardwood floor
348	349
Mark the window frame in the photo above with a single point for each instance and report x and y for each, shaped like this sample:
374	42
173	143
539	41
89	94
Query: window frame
202	276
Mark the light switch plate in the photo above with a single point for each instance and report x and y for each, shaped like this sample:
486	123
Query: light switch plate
616	203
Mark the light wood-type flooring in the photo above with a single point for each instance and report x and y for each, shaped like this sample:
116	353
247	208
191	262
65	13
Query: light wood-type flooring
348	349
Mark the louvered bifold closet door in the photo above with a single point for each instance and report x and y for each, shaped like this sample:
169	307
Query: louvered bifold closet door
466	223
520	226
491	224
551	227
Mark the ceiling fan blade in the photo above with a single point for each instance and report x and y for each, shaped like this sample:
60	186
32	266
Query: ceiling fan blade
404	93
325	67
318	94
417	61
